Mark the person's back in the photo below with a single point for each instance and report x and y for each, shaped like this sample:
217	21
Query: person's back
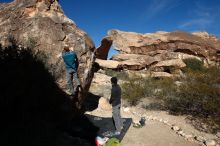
70	60
115	95
71	63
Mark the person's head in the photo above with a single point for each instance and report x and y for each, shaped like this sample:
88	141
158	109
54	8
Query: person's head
66	48
114	80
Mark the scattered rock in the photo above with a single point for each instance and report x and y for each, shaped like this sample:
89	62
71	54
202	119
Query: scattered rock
150	117
181	133
165	122
200	138
137	113
127	109
104	104
135	120
189	137
154	118
210	143
169	124
175	128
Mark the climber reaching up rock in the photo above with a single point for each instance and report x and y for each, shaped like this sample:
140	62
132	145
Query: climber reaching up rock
71	63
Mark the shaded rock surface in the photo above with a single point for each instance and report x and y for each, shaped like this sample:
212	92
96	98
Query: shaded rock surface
43	26
165	49
102	50
34	110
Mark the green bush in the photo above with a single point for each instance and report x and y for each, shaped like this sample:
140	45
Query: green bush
138	87
133	90
31	42
122	75
194	64
41	56
198	95
57	69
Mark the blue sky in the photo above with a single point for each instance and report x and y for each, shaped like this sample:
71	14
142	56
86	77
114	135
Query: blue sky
96	17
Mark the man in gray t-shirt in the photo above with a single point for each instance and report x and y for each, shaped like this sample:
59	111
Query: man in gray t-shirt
115	101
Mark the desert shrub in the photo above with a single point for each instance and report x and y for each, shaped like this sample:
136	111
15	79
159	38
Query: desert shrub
133	90
43	57
56	69
122	75
194	64
160	88
31	42
198	95
137	87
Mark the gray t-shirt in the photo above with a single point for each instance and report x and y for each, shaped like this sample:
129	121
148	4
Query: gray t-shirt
115	98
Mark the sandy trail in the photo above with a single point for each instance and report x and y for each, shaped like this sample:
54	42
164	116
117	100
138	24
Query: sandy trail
153	133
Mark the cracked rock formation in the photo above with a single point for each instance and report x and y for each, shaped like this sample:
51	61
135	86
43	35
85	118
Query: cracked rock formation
160	51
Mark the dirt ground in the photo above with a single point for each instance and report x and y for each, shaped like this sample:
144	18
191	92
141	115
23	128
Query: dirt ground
154	133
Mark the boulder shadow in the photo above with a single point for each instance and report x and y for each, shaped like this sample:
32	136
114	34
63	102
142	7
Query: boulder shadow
106	126
34	110
91	102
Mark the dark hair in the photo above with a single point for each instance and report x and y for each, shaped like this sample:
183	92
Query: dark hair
114	80
66	48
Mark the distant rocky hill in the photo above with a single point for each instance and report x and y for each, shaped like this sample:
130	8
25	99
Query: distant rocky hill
161	52
42	25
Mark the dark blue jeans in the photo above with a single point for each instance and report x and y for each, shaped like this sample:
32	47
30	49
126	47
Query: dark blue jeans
72	77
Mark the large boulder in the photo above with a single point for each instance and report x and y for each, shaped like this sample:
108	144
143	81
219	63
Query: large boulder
135	43
43	26
101	85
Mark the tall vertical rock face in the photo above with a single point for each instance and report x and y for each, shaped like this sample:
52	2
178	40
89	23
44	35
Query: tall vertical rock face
42	25
160	51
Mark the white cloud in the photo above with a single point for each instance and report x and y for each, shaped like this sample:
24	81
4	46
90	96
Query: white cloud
202	23
201	17
158	6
